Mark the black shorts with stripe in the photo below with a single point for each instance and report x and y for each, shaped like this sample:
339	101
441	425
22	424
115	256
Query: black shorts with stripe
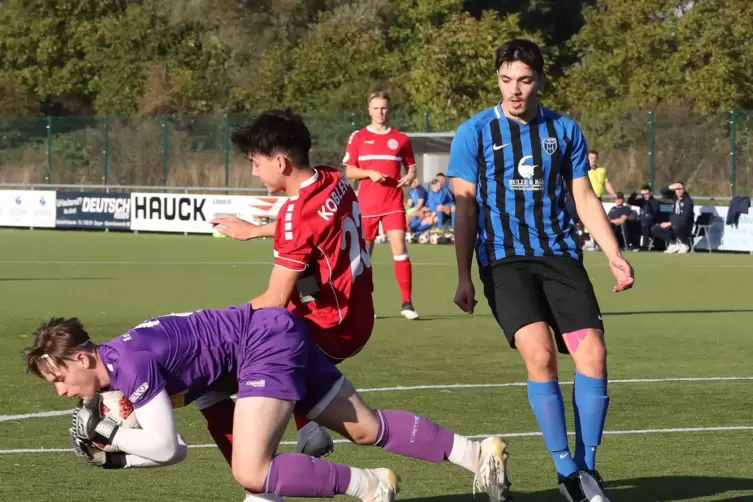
552	289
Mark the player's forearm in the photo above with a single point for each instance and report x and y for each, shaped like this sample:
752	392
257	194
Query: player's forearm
136	462
465	236
591	213
266	230
356	173
157	439
267	300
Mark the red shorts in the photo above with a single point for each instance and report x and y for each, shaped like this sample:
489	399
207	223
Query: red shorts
347	338
390	221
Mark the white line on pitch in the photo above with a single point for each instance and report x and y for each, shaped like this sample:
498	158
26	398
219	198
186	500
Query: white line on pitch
640	432
45	262
58	413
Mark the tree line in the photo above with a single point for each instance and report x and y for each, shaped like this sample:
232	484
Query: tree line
149	57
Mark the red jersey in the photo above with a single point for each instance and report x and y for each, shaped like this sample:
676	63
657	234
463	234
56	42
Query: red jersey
320	231
387	153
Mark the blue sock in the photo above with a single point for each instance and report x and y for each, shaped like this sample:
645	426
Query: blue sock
423	228
440	219
590	403
547	405
452	216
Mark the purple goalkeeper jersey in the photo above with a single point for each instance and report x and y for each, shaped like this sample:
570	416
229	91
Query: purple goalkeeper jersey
187	354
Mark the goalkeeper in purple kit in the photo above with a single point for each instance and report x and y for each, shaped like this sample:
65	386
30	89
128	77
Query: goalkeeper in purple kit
169	361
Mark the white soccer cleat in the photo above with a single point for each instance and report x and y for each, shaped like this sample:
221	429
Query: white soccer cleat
683	248
408	311
383	486
491	474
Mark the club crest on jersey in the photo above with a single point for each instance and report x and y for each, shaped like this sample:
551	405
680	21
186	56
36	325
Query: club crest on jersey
549	144
393	144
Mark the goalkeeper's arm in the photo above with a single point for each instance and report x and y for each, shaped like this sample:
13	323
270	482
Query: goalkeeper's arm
157	443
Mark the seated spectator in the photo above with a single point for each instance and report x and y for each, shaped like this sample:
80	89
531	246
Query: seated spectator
441	203
422	221
417	196
676	232
650	209
620	216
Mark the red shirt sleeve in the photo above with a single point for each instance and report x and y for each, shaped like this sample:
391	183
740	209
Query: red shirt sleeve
407	153
293	241
351	151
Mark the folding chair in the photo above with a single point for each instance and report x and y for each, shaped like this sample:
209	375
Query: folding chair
702	226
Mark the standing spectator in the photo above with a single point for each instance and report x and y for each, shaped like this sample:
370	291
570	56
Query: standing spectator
598	176
649	212
676	232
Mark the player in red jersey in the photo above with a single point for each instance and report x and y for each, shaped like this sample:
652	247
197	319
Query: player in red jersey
322	269
375	155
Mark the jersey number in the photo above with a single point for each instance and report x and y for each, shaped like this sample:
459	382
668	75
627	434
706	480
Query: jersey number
154	322
359	258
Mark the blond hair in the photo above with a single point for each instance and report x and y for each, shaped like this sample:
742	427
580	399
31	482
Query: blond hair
379	95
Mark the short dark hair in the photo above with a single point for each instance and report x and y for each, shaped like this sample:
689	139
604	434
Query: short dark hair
275	131
595	152
441	174
525	51
646	187
55	342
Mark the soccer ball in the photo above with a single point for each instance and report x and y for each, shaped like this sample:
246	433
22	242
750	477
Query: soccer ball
116	406
423	238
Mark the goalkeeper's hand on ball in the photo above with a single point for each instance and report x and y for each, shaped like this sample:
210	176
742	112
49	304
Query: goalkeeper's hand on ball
87	422
92	455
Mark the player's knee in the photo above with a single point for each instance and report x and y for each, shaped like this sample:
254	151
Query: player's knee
365	434
542	361
591	354
252	478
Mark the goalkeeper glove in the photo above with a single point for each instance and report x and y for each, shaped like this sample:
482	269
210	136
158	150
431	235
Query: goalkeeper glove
87	422
92	455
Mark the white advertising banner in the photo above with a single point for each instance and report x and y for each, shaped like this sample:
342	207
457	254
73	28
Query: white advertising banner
189	213
27	208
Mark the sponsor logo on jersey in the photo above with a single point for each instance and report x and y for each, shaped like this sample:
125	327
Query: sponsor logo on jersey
139	392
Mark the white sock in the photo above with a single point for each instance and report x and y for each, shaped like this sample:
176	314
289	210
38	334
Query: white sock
465	453
359	483
262	497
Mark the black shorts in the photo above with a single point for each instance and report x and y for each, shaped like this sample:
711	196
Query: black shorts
552	289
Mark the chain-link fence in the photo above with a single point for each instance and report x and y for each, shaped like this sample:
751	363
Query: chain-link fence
711	153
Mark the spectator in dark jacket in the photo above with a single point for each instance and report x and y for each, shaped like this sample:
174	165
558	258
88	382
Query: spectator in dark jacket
676	232
649	211
623	221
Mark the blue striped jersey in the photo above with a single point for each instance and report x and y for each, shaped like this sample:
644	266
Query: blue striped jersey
520	171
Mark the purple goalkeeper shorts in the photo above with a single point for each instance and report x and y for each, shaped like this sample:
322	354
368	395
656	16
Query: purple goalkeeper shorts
277	358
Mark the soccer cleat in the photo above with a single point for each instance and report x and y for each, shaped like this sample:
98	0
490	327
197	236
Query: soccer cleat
672	248
408	311
592	486
491	475
583	486
570	489
383	486
314	440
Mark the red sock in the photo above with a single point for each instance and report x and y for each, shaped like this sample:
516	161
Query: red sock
220	425
300	420
404	276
